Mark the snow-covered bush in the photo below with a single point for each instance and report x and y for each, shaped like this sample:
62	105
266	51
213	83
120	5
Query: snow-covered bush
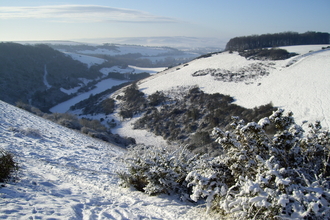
7	164
156	170
280	176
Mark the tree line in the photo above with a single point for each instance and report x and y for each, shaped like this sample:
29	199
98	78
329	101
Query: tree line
277	39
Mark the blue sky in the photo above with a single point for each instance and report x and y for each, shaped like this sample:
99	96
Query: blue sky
223	19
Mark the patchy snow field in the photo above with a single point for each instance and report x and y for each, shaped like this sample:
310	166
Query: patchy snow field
66	175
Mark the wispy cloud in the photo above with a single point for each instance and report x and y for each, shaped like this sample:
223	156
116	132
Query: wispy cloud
82	13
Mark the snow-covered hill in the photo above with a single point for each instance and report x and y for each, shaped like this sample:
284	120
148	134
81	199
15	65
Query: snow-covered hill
300	84
66	175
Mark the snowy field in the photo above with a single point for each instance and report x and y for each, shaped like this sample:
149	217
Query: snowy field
66	175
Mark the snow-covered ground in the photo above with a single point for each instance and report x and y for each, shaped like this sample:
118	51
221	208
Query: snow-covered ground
66	175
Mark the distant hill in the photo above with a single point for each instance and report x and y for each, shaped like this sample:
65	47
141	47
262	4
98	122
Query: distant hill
39	74
130	54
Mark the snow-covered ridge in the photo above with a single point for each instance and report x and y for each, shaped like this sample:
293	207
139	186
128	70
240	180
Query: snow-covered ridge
67	175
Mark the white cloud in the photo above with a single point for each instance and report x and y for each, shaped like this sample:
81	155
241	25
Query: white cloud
82	13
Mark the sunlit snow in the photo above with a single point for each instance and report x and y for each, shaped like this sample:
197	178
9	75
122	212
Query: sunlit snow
66	175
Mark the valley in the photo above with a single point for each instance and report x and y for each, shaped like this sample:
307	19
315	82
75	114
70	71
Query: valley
171	131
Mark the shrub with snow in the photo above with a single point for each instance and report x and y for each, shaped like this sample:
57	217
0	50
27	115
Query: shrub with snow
260	176
156	170
285	175
7	164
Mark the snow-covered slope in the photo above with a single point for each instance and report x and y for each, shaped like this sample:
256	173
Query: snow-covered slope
300	84
66	175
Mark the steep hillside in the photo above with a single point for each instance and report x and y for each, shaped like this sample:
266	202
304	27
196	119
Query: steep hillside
66	175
